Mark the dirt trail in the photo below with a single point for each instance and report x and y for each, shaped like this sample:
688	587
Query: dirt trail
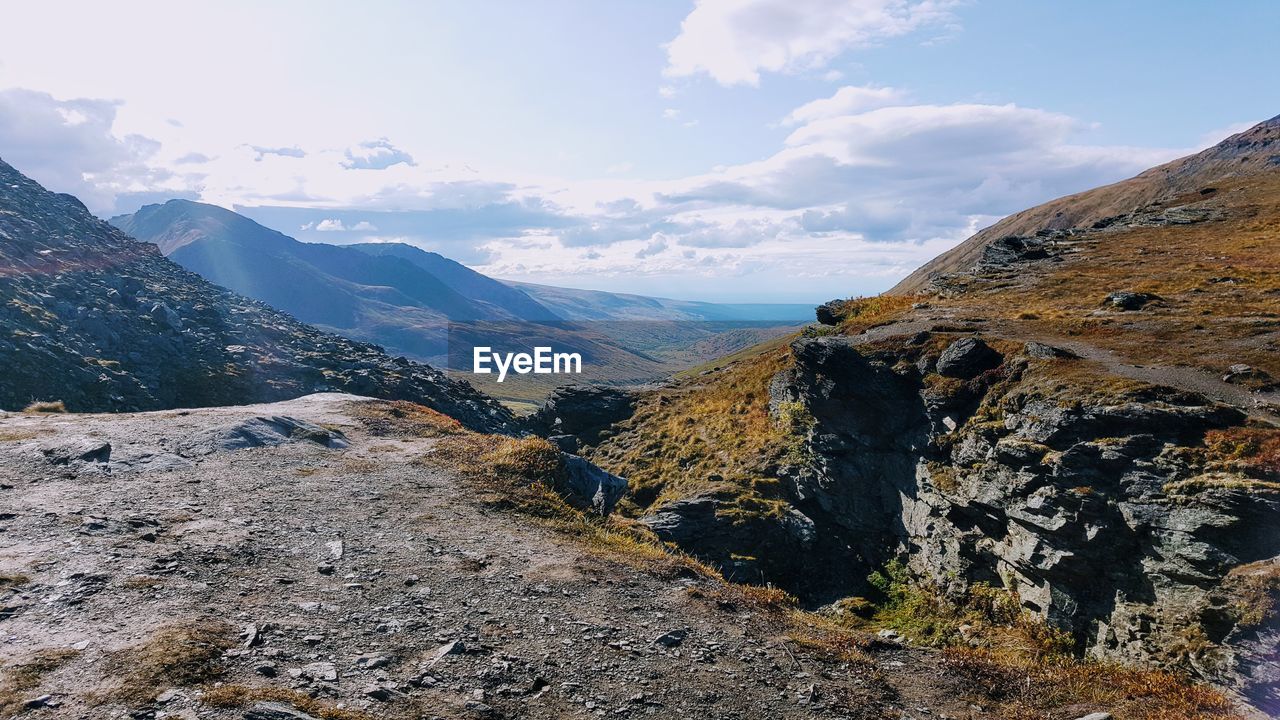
1260	405
352	573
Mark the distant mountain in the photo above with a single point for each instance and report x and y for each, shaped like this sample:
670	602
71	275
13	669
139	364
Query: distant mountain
432	308
588	305
93	318
369	296
1252	151
464	280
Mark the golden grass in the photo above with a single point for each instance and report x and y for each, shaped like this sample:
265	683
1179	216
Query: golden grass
861	313
1027	689
1253	591
1220	280
46	406
181	655
23	677
1255	451
711	433
399	418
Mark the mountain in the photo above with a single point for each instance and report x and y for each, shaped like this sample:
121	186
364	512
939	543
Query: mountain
95	319
378	298
1059	441
1248	153
592	305
464	280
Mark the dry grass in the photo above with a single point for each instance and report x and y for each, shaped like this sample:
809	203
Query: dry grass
1220	280
1253	592
46	406
399	418
861	313
1254	451
1026	689
16	435
181	655
25	676
234	697
709	434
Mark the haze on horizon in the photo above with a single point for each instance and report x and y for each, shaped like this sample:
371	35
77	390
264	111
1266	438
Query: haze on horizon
737	151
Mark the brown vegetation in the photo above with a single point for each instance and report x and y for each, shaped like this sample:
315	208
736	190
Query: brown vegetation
182	655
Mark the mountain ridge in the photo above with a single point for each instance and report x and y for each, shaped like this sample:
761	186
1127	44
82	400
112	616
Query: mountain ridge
1254	149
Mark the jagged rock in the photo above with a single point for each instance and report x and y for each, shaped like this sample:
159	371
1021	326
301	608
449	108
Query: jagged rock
566	443
78	450
966	358
830	312
587	487
1126	300
583	411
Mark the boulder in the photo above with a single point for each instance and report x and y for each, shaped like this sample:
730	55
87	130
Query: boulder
583	411
967	357
1129	301
588	487
275	711
830	312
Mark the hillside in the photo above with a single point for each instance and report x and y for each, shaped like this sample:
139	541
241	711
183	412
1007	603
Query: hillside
101	322
1242	155
1084	419
592	305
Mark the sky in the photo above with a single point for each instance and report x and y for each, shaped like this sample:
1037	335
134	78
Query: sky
722	150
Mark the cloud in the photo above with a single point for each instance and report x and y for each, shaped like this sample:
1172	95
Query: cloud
70	146
377	154
651	248
733	41
289	152
193	157
336	225
847	100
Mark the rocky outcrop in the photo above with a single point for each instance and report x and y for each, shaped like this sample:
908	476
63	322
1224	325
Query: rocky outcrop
1063	499
971	467
581	412
587	487
104	323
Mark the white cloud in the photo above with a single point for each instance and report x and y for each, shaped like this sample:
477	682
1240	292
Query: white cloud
336	225
377	154
733	41
845	101
71	146
671	113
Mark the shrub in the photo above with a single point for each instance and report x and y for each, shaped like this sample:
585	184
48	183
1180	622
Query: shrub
46	406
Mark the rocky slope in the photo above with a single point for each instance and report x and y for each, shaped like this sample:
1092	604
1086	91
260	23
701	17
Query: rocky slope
1085	417
101	322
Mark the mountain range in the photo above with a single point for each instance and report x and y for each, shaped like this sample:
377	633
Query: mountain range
416	302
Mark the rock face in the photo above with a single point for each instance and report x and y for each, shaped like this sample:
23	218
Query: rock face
582	412
587	487
104	323
1074	504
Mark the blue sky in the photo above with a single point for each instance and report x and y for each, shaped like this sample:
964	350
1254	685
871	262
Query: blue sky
738	150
